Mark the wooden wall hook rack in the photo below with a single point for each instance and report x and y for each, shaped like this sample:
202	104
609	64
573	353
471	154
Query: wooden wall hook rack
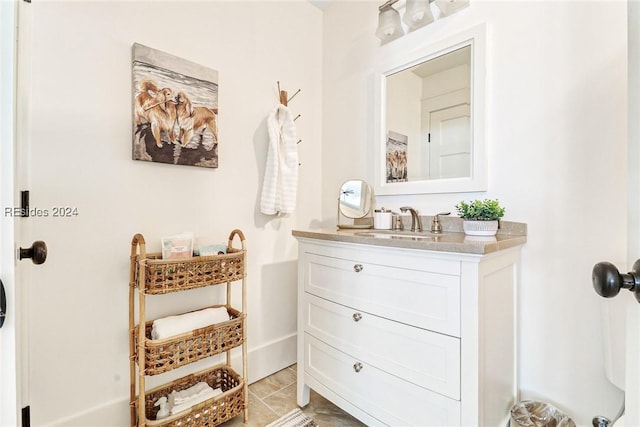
284	98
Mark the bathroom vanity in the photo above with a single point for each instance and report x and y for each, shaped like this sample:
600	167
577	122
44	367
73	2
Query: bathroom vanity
409	330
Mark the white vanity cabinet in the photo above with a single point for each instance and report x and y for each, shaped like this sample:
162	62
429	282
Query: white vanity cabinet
408	337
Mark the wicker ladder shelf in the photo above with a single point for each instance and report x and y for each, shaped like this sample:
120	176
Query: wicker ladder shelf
151	275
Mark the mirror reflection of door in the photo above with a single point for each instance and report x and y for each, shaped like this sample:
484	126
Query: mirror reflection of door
448	141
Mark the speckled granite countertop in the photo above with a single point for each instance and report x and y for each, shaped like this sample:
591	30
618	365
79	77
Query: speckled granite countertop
452	239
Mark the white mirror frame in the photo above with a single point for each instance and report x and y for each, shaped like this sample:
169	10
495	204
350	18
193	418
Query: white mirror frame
476	38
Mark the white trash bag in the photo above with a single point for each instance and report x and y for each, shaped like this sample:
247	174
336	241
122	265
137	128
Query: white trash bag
529	413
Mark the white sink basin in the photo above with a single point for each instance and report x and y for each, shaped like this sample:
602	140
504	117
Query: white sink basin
401	236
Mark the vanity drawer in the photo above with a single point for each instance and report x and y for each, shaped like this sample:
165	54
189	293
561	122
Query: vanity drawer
425	358
389	399
416	297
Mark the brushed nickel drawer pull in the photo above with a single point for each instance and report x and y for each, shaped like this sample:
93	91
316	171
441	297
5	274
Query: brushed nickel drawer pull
357	317
357	268
357	366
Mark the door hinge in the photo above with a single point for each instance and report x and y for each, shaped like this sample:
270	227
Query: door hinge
429	137
3	304
26	416
24	203
27	1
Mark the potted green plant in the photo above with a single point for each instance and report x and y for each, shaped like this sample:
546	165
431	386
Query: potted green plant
481	217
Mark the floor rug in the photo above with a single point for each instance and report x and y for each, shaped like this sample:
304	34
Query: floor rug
295	418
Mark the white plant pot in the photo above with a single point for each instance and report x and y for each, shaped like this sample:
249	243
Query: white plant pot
480	228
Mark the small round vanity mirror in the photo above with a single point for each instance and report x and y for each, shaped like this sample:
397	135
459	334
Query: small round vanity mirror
354	201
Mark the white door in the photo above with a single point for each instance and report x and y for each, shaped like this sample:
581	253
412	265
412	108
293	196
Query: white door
449	146
632	377
632	398
71	369
9	368
608	281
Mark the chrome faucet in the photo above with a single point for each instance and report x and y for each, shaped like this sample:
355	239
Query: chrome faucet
416	224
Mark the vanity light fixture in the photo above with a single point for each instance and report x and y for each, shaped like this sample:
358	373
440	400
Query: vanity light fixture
449	7
417	14
389	25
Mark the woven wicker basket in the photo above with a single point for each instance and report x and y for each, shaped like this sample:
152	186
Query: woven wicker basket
209	413
170	353
163	276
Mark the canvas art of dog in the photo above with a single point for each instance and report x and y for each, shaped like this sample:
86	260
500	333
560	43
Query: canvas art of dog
175	109
396	157
174	115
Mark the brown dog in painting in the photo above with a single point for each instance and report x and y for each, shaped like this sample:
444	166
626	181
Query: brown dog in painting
157	107
192	120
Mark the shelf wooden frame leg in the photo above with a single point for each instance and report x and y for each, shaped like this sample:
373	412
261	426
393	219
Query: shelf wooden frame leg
132	367
142	417
245	371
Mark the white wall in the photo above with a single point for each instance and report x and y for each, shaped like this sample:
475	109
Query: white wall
557	138
80	141
404	117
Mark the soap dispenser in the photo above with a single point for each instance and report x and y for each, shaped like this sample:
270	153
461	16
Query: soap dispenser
164	411
397	221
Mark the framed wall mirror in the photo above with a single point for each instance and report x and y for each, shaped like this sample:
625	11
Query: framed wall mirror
430	118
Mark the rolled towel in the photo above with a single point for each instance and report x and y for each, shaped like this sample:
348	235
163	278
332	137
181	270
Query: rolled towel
207	394
175	325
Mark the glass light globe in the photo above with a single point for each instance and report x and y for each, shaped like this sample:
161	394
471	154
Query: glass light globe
389	26
417	14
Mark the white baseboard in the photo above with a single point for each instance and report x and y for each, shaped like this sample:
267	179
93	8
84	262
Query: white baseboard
110	414
261	361
271	357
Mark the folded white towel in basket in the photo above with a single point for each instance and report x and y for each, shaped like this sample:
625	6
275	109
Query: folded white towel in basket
180	397
176	325
184	399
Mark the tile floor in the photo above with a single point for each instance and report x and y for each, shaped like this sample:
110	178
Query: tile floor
274	396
